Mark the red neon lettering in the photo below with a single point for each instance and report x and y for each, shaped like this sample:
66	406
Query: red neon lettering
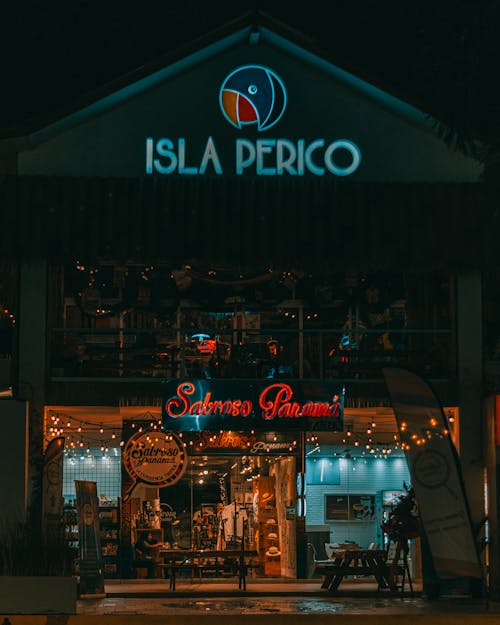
195	408
181	401
335	410
217	406
308	409
274	401
270	407
207	404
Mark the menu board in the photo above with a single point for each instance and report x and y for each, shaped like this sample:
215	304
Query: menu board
336	507
345	507
391	497
361	507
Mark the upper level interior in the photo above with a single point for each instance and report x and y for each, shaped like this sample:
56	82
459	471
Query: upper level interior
136	321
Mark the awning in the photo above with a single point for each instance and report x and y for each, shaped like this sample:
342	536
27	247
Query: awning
321	225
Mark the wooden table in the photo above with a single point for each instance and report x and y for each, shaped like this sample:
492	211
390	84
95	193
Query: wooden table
179	559
371	562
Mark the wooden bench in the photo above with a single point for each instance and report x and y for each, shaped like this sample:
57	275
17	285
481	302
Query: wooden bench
366	562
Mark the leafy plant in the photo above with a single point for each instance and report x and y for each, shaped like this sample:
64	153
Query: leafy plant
25	550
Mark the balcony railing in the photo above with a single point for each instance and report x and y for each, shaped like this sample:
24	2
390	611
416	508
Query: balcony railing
308	354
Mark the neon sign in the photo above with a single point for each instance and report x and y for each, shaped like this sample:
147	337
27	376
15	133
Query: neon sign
274	400
265	157
253	96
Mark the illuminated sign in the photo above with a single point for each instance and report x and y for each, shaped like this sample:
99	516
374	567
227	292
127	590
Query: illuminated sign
154	458
253	96
258	443
231	405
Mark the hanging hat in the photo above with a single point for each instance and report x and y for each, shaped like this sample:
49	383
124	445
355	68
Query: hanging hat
273	552
271	521
272	535
267	497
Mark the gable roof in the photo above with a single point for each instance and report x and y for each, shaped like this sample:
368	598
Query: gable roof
253	27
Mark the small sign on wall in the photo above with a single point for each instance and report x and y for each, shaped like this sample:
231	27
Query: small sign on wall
336	507
344	507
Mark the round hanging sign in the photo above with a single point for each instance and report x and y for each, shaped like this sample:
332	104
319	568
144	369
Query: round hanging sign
155	458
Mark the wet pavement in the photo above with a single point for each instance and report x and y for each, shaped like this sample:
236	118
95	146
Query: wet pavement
279	605
202	599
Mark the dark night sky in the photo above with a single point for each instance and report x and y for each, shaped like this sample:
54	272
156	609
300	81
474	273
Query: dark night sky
443	56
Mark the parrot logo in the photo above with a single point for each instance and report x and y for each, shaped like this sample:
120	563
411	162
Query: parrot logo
253	95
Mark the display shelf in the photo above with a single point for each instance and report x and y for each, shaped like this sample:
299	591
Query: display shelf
269	542
109	519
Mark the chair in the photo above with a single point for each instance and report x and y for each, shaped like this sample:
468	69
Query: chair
314	565
330	548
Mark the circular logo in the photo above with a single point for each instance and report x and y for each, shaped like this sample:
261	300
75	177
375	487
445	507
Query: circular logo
155	458
431	469
253	95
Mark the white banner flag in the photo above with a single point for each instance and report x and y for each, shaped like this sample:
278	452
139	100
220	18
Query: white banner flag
435	475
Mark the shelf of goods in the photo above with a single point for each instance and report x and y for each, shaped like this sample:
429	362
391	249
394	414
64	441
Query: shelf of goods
269	547
109	518
70	521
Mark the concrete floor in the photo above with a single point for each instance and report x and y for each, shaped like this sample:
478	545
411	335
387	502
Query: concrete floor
355	598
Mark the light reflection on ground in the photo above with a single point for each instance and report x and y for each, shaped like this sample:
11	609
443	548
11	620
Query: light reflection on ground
272	605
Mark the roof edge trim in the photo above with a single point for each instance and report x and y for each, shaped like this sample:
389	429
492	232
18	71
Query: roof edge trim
389	102
108	102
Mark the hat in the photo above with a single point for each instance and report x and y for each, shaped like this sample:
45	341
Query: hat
273	551
267	497
271	522
272	535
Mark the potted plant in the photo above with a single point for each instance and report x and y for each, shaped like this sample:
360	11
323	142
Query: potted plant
35	570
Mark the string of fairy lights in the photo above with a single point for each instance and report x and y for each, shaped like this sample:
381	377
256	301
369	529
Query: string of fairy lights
363	443
86	436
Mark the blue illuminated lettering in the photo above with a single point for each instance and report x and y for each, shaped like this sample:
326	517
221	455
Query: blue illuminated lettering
285	163
300	156
182	160
164	148
149	155
265	157
210	155
265	146
314	169
242	163
350	147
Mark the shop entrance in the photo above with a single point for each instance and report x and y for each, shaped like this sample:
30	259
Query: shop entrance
226	503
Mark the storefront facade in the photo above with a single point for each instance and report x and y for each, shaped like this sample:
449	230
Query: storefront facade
253	221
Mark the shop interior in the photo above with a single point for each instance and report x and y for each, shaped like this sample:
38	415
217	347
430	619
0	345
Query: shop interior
353	479
158	321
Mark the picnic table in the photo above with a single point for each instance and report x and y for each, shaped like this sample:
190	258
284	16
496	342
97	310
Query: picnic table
364	562
206	559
